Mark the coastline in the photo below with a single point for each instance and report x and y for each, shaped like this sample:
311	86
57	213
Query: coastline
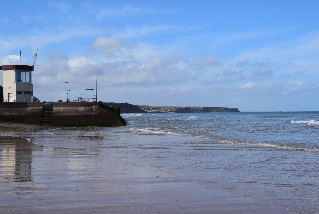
6	127
100	179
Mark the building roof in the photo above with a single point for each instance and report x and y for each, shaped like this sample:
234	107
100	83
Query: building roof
16	67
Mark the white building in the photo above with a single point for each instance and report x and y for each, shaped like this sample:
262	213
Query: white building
17	83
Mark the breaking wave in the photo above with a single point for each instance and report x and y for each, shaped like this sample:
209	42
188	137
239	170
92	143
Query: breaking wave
155	131
192	118
128	115
308	122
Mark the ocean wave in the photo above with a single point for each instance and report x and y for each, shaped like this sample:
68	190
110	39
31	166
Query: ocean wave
192	118
153	131
128	115
288	147
292	147
308	122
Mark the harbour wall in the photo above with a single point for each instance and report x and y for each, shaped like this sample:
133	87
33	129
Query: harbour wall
61	114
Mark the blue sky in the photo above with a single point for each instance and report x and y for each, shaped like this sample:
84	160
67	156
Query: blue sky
255	55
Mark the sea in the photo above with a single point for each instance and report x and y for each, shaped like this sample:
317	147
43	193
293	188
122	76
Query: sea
272	156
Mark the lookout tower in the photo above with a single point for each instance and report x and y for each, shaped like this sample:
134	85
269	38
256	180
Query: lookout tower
17	83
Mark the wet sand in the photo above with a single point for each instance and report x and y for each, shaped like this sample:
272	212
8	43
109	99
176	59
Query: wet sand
43	179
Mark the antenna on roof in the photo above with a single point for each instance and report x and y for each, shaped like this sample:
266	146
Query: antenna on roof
20	50
35	56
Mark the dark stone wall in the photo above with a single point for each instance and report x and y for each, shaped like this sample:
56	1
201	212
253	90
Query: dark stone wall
64	114
33	115
84	116
13	113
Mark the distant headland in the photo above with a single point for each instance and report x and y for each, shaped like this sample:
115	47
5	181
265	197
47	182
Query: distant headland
130	108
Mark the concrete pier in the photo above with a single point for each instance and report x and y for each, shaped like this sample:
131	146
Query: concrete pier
61	114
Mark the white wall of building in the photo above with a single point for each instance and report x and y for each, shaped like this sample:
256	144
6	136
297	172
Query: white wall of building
9	86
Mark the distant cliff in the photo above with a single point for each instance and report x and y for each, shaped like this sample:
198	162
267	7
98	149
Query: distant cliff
205	109
130	108
179	109
126	107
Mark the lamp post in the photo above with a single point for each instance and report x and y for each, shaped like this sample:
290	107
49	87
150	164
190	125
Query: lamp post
95	89
67	95
90	89
67	91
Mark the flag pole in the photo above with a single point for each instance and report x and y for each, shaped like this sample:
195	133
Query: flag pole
95	89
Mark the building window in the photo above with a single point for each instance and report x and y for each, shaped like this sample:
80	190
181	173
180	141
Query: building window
23	76
28	92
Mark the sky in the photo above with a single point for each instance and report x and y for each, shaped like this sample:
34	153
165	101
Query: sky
253	55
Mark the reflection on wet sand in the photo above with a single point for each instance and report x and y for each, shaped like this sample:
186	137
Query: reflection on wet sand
15	159
123	174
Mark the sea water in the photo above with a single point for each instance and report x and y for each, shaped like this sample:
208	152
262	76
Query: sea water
274	156
289	131
270	156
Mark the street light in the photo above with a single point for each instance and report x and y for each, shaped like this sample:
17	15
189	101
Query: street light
67	92
95	89
90	89
67	95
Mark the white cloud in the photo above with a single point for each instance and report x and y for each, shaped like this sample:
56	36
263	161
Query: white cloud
236	100
295	87
205	62
126	10
307	45
233	75
242	63
81	64
263	72
11	59
109	45
287	57
180	90
248	85
236	37
130	32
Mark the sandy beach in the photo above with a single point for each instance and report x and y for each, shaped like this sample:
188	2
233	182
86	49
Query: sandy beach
36	178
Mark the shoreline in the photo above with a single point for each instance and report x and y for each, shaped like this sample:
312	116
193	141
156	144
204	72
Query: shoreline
19	127
103	180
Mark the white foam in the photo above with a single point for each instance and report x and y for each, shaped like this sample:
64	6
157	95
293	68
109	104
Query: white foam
127	115
272	145
153	131
287	147
192	118
308	122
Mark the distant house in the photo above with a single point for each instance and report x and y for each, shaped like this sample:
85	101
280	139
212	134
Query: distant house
17	83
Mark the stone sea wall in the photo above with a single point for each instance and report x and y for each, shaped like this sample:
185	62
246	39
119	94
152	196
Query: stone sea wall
62	114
